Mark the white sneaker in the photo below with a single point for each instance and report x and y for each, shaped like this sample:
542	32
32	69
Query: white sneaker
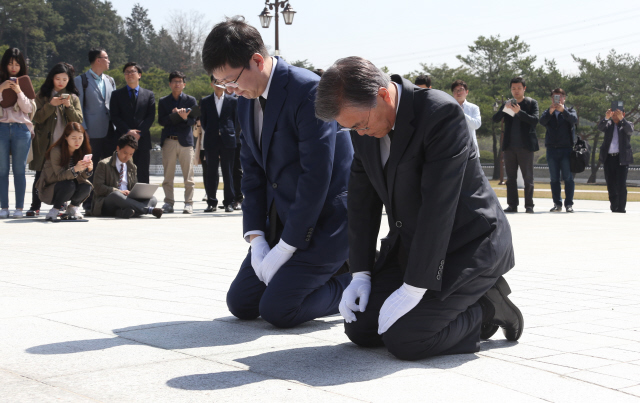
188	209
74	211
17	214
167	208
52	215
4	213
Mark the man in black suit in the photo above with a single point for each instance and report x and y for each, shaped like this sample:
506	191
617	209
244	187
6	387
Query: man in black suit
437	286
218	122
520	142
616	155
133	110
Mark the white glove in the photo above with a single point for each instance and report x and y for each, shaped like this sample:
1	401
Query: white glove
398	304
360	287
274	260
259	249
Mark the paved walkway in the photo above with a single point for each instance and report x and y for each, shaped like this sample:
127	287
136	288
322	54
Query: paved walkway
134	311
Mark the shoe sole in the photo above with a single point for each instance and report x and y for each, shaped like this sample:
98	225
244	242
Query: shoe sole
504	290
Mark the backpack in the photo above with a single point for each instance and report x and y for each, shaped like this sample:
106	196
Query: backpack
580	155
85	84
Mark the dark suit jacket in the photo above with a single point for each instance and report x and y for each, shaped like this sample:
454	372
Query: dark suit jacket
625	129
181	129
302	166
560	132
219	128
528	117
127	116
445	221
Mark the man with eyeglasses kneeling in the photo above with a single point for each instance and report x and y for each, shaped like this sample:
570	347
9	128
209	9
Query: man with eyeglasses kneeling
296	169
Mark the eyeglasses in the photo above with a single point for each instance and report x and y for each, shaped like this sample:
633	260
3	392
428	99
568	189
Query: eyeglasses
348	129
128	73
230	84
459	90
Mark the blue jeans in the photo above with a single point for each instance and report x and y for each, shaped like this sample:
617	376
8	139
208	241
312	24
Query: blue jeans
558	160
15	139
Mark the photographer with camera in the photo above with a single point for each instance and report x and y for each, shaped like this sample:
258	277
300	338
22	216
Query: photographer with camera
560	122
520	116
616	154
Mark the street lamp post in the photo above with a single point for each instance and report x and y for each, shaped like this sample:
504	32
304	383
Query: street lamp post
287	14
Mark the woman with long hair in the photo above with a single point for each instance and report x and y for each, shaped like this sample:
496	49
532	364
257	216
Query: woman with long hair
57	104
15	131
66	172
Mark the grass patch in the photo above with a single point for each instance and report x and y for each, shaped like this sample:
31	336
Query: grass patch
583	192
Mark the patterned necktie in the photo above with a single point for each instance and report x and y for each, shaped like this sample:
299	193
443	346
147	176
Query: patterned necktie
121	175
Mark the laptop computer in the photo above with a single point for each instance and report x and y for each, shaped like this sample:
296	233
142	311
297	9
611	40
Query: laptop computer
143	191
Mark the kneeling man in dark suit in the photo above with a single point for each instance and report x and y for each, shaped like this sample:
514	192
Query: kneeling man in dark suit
436	286
296	169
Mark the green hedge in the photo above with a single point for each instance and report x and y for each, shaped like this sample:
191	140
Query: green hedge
542	160
486	157
636	159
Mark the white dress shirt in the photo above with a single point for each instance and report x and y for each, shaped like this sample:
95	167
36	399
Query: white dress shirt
615	141
474	121
219	102
385	142
124	185
258	116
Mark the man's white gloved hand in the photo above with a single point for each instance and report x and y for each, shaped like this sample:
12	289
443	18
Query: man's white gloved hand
259	249
398	304
274	260
360	287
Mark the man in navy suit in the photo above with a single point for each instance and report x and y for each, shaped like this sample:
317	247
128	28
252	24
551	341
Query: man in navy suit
133	110
296	169
174	115
218	121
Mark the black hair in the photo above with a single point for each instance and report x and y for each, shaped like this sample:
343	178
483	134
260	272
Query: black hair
232	42
423	80
16	55
319	72
517	80
134	64
558	91
60	68
458	83
94	53
177	74
127	140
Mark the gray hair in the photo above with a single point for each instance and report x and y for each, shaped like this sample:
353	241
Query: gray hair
350	82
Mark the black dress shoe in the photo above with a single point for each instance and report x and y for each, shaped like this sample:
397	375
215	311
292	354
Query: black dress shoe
505	313
157	212
210	209
236	206
125	213
569	209
229	209
511	209
557	208
487	330
529	210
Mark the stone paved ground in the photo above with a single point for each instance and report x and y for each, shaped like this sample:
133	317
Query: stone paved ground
134	311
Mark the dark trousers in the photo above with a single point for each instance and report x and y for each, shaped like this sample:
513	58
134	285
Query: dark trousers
299	292
523	158
223	157
70	190
35	199
116	200
142	159
100	148
237	175
616	177
433	327
203	162
559	162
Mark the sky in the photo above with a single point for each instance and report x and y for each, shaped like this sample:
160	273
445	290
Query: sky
401	34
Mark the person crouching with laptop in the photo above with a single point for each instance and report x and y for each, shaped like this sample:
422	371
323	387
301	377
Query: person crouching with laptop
114	179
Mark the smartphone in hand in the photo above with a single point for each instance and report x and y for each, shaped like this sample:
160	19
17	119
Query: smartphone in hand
556	99
87	158
64	96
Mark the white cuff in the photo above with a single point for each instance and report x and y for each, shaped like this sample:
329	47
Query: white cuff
286	246
255	232
362	274
414	291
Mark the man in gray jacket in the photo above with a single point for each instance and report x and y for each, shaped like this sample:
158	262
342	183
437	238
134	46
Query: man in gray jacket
95	89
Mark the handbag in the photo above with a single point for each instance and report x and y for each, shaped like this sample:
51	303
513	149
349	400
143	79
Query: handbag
580	155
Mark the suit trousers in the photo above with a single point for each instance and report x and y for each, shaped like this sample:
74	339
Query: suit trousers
173	152
299	292
224	158
513	158
616	177
70	191
237	175
100	149
142	159
116	200
433	327
35	199
203	162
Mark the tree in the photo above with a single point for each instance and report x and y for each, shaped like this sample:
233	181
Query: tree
494	62
305	64
140	36
189	31
167	53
